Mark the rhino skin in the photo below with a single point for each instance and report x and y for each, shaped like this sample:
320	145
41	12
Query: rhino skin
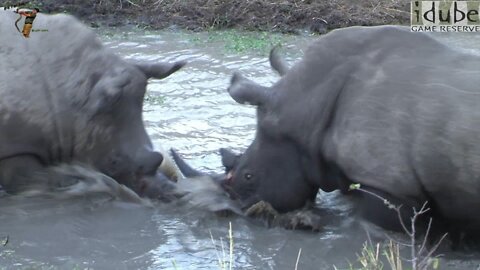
393	110
68	99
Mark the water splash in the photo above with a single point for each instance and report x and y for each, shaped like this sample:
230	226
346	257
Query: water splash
81	181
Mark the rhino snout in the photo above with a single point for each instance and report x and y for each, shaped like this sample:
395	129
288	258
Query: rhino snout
149	163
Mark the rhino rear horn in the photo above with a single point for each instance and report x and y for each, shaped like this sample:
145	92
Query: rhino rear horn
229	159
277	62
245	91
160	70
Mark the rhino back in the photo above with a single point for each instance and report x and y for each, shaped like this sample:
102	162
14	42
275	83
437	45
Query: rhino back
395	110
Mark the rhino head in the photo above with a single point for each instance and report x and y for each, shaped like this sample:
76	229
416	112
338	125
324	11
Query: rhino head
273	171
113	136
81	103
273	168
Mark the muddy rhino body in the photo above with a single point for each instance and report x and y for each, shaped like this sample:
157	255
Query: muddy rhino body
395	111
68	99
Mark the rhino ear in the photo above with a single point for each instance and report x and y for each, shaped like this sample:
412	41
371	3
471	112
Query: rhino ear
106	93
277	62
229	159
160	70
244	91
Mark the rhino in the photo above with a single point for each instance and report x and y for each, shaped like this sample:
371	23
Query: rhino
66	99
392	111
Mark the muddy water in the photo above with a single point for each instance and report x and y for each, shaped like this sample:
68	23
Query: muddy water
191	112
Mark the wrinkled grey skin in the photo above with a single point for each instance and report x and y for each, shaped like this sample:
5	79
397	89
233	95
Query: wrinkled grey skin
392	110
66	98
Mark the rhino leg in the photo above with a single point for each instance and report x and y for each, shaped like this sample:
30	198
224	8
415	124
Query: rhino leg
17	173
382	211
26	173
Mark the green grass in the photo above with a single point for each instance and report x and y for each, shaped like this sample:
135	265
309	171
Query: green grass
421	258
237	41
152	99
225	262
386	257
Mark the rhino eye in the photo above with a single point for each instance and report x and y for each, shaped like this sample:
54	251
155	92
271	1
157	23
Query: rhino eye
248	176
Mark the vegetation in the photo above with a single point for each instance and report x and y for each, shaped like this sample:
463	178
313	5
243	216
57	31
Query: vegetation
225	262
152	99
265	15
372	257
4	241
421	258
235	41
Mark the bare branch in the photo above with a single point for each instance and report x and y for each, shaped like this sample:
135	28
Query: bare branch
427	233
420	259
404	227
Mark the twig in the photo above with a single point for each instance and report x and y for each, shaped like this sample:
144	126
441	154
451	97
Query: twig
413	251
397	241
220	264
133	4
422	248
418	260
230	236
404	227
298	258
430	253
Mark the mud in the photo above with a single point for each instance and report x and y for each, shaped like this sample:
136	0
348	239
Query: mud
287	16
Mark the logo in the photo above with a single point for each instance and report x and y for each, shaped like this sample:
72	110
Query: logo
445	16
29	14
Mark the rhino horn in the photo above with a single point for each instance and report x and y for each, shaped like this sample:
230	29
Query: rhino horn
245	91
186	169
229	159
160	70
277	62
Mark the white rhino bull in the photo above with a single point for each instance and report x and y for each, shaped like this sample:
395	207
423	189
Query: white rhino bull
395	111
67	99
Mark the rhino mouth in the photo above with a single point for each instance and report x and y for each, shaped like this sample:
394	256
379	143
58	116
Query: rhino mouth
245	202
226	185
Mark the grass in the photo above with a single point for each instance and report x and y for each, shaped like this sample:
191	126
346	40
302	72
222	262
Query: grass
372	257
224	262
231	41
152	99
237	41
379	256
298	258
4	241
421	258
